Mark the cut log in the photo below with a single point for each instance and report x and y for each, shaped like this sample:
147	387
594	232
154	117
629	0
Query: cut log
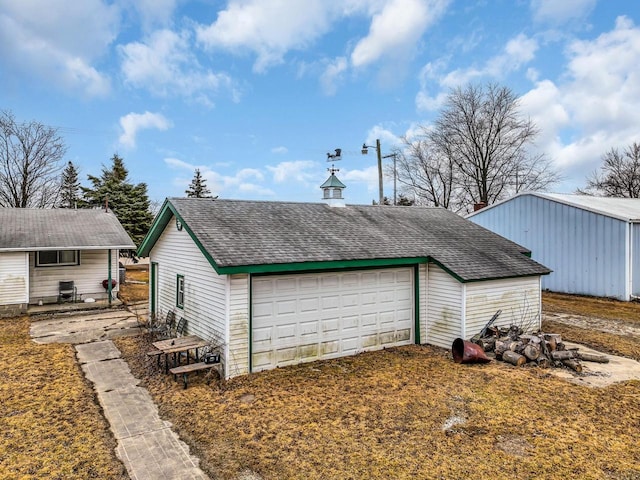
543	361
552	340
501	347
560	346
573	365
487	344
514	358
562	355
531	351
530	339
592	357
516	347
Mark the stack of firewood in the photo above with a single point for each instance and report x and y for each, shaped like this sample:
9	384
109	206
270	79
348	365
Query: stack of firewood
542	349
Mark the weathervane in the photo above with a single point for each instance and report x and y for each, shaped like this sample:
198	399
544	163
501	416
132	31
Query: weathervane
334	157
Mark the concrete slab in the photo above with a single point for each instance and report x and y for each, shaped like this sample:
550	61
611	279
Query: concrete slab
619	369
147	446
97	352
84	327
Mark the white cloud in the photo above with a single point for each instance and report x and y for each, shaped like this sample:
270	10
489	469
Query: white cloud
386	37
279	150
133	122
297	171
154	12
58	40
268	28
332	75
558	12
244	181
596	104
518	51
165	65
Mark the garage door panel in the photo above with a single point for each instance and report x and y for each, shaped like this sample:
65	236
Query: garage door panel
331	325
309	328
285	332
328	315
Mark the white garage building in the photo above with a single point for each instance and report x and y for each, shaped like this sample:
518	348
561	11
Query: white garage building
282	283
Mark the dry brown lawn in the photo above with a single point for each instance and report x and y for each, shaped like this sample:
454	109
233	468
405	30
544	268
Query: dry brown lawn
401	413
592	307
135	292
624	312
405	412
50	423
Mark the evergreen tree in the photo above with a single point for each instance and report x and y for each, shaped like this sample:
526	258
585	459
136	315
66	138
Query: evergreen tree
69	187
198	187
130	203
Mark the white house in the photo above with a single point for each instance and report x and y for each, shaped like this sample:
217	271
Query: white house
39	248
281	283
592	244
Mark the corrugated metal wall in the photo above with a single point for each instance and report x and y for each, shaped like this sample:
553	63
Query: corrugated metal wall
585	250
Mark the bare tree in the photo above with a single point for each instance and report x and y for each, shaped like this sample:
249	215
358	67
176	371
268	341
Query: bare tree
619	174
30	155
424	174
481	132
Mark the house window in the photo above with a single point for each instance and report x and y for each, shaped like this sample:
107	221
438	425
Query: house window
180	292
52	258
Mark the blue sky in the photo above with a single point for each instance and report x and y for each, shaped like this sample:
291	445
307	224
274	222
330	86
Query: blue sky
256	92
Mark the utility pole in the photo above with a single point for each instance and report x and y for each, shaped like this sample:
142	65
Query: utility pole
378	150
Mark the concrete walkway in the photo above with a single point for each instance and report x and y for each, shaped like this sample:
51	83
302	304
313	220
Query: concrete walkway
146	444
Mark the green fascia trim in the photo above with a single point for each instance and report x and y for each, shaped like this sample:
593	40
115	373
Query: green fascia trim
450	272
527	254
178	277
505	278
159	225
416	299
302	267
250	323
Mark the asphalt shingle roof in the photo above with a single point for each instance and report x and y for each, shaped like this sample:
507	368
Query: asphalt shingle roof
34	228
240	233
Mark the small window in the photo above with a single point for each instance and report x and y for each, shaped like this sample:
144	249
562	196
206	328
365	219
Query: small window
52	258
180	292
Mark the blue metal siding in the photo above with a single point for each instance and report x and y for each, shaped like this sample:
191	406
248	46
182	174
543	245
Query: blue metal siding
585	250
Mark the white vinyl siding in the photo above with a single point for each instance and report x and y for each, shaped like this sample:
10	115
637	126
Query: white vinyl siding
238	350
14	276
301	318
518	298
205	292
87	277
444	307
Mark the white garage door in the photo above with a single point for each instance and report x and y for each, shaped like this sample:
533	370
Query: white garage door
300	318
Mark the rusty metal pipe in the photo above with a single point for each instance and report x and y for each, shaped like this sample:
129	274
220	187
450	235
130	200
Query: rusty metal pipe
467	352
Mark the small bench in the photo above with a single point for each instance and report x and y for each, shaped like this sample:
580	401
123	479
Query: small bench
155	353
185	370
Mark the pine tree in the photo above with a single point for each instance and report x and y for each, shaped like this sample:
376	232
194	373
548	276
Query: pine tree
198	187
69	187
130	203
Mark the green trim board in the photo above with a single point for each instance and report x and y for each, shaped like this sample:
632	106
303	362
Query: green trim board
249	279
416	299
179	284
153	284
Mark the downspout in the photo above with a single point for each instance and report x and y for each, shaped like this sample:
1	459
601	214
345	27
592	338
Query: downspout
109	279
